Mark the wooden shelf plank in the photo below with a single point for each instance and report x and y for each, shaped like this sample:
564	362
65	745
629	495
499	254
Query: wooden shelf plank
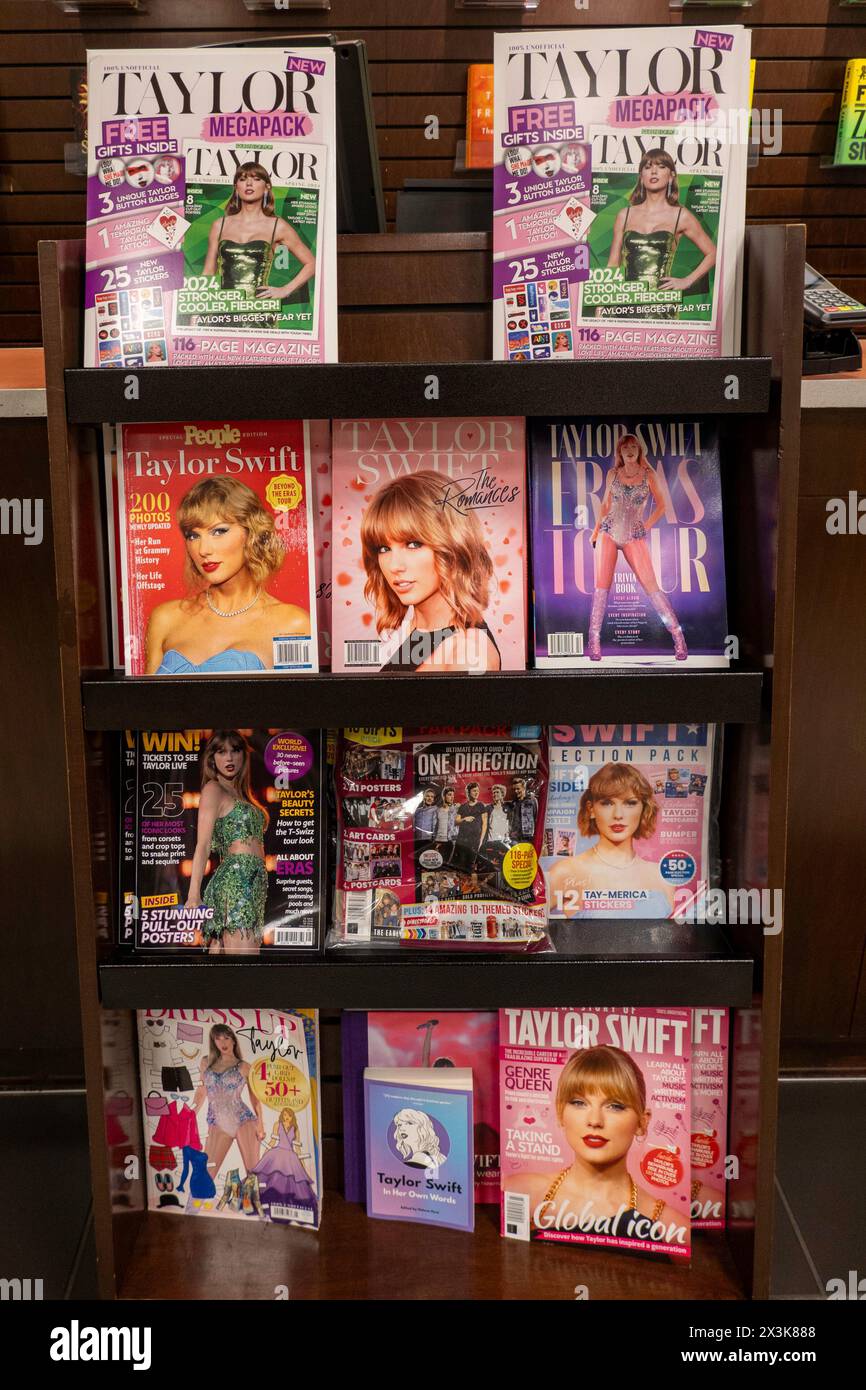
352	1257
404	698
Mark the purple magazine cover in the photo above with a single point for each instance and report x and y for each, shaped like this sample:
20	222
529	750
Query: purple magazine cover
627	543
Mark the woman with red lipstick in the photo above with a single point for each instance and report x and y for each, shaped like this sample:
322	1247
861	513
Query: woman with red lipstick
232	824
646	235
619	808
601	1110
429	575
229	622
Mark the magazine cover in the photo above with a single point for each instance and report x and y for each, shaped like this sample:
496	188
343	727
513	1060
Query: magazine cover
619	192
595	1128
710	1034
628	555
320	469
211	207
851	129
232	1113
441	1040
628	819
429	529
419	1145
216	547
440	832
221	834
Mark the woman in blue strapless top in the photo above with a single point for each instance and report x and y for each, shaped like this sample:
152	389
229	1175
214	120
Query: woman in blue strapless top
231	824
228	621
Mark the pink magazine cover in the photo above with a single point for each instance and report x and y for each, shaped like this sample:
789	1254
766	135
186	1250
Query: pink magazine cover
320	472
429	536
595	1127
710	1033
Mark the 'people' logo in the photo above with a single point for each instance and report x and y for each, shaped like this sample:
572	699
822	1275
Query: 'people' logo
77	1343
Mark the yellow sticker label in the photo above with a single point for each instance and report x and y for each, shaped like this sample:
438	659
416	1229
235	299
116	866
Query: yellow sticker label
160	900
279	1084
374	738
283	494
520	865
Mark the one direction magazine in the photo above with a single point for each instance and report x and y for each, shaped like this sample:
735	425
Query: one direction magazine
439	834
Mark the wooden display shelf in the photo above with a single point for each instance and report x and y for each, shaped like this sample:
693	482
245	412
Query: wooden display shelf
403	389
636	963
335	701
353	1257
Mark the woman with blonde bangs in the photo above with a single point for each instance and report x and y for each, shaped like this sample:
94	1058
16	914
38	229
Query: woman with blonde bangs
242	243
228	621
619	808
646	234
429	576
231	824
601	1110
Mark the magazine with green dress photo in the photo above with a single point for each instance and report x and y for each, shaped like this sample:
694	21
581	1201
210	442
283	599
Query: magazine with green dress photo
250	254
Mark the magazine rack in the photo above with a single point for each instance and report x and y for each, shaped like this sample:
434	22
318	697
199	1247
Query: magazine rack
432	293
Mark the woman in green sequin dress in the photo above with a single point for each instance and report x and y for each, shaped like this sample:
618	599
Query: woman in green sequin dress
646	234
242	243
231	824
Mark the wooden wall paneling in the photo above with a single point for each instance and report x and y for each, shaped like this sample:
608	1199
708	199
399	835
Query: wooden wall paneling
826	835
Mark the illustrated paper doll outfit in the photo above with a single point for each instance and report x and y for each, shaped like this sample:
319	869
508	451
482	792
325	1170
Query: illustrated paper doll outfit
225	1109
283	1180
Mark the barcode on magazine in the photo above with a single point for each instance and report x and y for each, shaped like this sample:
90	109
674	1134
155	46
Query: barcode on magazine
358	915
293	936
283	1213
361	653
565	644
517	1215
291	655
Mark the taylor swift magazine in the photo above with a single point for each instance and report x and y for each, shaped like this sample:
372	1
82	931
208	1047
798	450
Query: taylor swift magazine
595	1129
429	545
627	547
710	1057
629	813
216	547
439	837
211	207
441	1039
221	834
619	185
232	1113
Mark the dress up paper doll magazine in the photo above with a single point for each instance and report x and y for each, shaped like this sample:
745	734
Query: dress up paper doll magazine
232	1113
595	1127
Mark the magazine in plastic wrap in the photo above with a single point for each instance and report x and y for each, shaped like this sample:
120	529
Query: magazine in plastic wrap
619	187
439	837
595	1127
627	544
222	840
629	812
215	530
211	207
